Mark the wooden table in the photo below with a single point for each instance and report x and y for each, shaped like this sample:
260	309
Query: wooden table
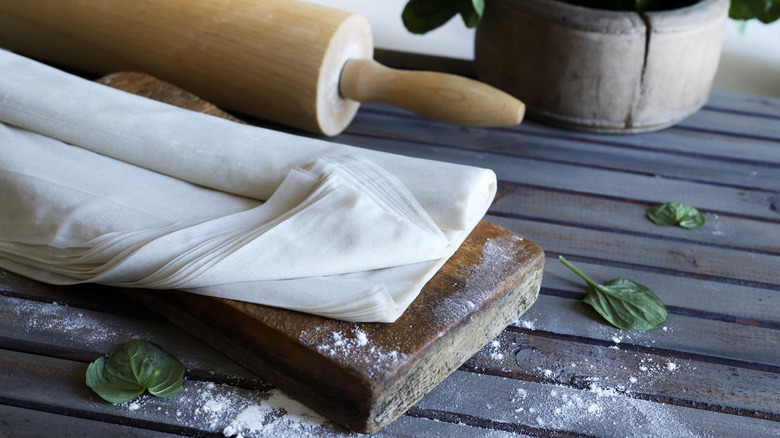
712	370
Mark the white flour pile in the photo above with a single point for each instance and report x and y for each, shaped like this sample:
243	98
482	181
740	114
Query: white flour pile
237	412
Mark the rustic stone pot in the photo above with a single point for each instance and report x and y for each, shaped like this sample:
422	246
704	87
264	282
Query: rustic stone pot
602	71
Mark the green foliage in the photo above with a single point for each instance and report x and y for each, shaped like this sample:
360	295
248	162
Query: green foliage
766	11
422	16
624	303
133	368
675	213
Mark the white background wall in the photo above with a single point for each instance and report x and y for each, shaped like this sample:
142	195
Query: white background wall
750	62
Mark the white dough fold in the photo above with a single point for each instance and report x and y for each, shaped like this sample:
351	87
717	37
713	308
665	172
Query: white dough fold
99	185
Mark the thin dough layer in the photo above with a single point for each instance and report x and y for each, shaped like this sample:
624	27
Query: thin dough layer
98	185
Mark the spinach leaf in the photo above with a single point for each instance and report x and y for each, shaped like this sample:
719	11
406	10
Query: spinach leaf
624	303
675	213
133	368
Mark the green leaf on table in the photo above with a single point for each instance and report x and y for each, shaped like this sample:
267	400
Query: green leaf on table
676	213
132	369
624	303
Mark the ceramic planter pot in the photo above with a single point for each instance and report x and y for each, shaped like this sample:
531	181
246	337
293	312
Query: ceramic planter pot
602	71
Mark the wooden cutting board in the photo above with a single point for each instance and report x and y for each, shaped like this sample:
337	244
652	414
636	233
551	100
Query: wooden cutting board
361	375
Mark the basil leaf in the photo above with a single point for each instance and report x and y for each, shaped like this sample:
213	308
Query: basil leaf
766	11
772	12
675	213
624	303
422	16
132	369
471	11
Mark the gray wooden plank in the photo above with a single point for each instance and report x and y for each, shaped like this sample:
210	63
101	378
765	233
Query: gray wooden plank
745	103
57	385
734	303
70	332
598	411
684	336
674	141
736	123
28	423
525	353
377	122
719	265
593	211
637	187
680	155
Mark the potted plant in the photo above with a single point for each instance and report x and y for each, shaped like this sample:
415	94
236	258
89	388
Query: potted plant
613	66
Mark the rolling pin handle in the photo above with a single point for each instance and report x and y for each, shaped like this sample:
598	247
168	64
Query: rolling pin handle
438	96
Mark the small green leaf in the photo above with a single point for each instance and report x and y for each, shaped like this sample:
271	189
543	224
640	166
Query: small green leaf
624	303
675	213
750	9
133	368
422	16
772	12
471	11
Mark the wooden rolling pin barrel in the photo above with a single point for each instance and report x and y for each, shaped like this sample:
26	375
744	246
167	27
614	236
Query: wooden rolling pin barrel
298	64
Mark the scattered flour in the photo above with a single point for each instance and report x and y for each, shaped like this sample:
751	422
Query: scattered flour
59	318
526	324
495	350
345	344
361	337
237	413
599	411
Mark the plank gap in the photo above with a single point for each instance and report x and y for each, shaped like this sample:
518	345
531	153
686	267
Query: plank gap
657	351
483	423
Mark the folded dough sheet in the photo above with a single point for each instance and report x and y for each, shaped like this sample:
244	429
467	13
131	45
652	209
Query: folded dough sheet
99	185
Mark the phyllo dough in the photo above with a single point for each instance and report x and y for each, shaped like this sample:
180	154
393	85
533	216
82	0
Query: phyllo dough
99	185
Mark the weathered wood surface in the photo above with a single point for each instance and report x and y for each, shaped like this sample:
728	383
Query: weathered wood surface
714	370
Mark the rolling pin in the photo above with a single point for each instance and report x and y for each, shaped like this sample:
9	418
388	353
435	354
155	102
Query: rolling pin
294	63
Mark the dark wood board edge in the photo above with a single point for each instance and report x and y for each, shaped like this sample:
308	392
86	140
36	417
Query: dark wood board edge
459	344
267	341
